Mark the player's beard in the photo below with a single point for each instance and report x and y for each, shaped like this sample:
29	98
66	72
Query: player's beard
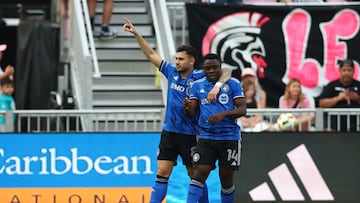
183	69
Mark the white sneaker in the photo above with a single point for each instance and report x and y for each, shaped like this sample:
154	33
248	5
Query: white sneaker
108	35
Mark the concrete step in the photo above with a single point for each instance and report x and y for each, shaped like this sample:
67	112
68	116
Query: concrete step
145	30
125	82
122	43
122	54
111	67
118	18
116	99
136	7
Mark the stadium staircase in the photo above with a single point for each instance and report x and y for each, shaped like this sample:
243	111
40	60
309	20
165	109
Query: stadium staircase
128	79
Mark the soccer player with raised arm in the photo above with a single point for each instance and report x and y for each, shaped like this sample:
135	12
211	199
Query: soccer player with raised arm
179	132
220	138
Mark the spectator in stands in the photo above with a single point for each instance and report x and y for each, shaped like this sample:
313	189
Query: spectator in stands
179	132
260	95
9	69
342	93
106	32
252	123
7	102
294	98
219	138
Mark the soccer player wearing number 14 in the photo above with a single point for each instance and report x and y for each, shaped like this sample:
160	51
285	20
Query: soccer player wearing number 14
219	134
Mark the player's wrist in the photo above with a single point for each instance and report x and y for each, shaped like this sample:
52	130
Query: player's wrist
218	84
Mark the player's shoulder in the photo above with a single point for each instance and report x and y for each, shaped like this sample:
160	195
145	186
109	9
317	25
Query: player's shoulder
234	81
197	74
166	64
199	81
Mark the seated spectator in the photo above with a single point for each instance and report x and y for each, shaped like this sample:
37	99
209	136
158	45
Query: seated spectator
294	98
7	103
260	95
106	32
342	93
251	123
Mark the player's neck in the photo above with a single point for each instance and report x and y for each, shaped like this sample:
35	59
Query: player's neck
185	74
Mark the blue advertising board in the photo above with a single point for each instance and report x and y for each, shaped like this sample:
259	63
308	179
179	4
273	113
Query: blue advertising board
84	166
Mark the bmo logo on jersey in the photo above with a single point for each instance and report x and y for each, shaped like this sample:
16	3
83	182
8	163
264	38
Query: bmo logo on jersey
177	87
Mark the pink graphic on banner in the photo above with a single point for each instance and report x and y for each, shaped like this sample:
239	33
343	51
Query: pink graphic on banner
344	26
262	193
296	29
285	184
309	175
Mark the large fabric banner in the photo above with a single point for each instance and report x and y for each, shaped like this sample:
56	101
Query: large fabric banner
279	42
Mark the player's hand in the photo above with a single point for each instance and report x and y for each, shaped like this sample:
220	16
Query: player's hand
213	94
216	118
128	26
186	104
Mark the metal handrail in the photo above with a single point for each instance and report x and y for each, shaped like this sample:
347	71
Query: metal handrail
88	28
99	120
165	42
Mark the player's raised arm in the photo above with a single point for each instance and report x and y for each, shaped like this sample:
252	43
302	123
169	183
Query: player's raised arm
144	45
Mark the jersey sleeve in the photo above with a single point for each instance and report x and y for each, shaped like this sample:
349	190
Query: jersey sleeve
166	67
193	94
236	86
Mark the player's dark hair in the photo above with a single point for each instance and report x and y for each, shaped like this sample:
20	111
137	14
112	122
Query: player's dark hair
188	49
212	56
344	62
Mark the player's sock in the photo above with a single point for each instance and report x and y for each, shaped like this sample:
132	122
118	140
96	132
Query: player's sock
195	191
159	189
228	195
105	28
205	196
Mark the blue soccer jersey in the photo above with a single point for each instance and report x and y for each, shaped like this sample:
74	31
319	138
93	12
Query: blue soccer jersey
178	89
228	128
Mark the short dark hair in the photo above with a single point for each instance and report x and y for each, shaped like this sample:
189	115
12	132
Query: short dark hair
6	80
190	50
344	62
212	56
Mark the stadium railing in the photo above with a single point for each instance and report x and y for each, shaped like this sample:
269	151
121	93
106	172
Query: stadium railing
149	121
